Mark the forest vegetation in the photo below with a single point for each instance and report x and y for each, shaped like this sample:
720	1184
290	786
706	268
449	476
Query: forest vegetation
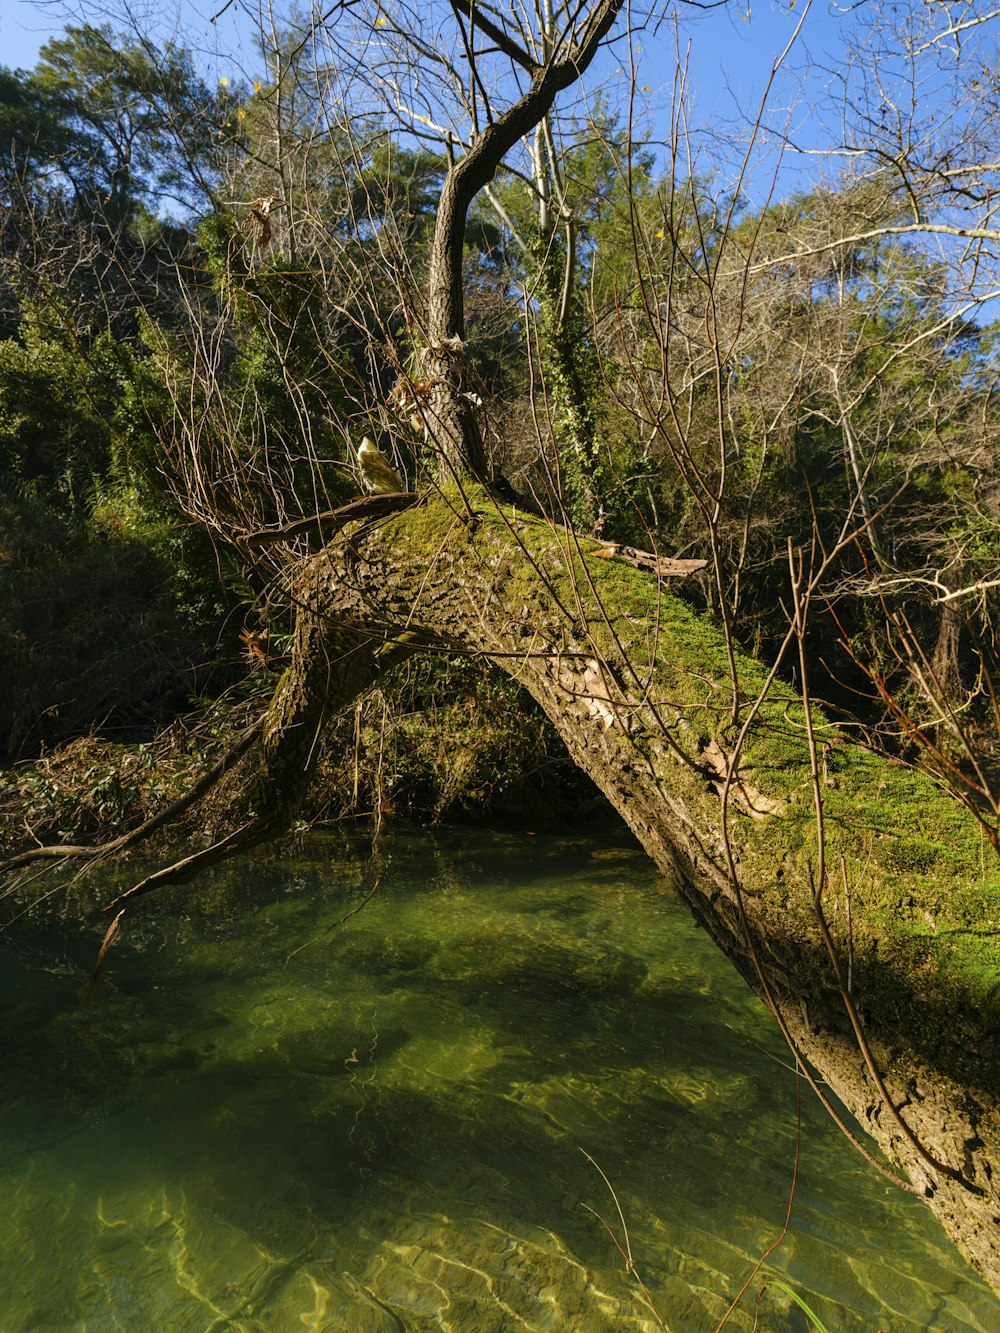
700	493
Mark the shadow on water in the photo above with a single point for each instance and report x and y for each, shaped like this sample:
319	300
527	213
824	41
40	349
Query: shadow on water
267	1119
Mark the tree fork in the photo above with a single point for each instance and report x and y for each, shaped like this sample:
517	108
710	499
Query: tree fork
451	418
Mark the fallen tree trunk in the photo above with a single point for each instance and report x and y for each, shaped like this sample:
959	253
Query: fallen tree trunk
860	901
875	946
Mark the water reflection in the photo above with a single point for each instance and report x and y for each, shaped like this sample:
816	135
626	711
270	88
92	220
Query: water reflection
267	1119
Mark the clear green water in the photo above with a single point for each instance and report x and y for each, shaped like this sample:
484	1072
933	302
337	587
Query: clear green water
266	1119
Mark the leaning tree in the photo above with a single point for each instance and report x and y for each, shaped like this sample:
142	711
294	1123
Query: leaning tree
854	895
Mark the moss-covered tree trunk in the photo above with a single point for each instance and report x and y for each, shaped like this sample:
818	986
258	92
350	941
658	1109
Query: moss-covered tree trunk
637	686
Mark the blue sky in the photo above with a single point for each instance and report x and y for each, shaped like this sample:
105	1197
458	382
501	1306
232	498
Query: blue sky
731	48
731	52
25	25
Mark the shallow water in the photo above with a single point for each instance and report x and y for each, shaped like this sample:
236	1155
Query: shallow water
270	1118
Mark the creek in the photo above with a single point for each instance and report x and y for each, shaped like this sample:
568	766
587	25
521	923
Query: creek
338	1091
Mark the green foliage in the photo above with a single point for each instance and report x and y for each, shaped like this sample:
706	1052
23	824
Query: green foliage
128	120
398	186
93	788
108	135
107	602
560	252
448	739
32	130
89	631
53	434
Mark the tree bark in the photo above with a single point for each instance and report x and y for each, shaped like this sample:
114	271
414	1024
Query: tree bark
637	686
451	421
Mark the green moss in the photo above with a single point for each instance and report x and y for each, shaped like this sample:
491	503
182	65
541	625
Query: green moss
923	882
426	529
